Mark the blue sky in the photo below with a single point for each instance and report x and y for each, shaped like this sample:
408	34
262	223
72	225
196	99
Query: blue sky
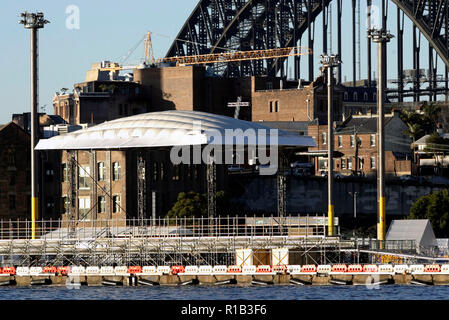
108	30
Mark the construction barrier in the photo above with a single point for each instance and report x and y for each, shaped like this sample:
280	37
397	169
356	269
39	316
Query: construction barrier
432	268
64	270
371	268
107	270
280	269
22	271
9	270
35	271
192	270
234	269
205	270
121	271
177	269
416	268
92	270
294	269
339	268
78	270
385	268
52	270
220	270
355	268
163	269
401	269
309	268
149	270
249	269
324	269
263	269
134	269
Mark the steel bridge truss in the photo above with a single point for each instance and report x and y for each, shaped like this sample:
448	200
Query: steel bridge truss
217	26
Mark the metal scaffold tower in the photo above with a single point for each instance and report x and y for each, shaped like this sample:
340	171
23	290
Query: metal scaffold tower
211	187
71	193
141	189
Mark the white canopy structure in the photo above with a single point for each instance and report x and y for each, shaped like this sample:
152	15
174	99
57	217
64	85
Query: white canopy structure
173	128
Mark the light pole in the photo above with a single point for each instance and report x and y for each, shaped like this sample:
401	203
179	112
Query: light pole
34	21
354	196
329	62
381	37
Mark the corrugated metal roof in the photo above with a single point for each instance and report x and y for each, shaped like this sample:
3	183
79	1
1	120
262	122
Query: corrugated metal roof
169	128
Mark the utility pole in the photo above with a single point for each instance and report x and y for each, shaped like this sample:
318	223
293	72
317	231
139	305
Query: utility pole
381	37
329	62
34	21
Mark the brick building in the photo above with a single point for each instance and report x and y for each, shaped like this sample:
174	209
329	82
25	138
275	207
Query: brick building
356	142
100	101
15	172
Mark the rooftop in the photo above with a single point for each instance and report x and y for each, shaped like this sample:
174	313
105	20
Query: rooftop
171	128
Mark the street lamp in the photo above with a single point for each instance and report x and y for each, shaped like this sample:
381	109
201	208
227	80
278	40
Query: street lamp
329	62
34	21
380	36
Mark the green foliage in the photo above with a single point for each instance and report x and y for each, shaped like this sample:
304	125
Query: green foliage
437	143
434	207
189	205
193	204
421	124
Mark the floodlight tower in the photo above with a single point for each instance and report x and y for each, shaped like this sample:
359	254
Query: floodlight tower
330	62
34	22
381	37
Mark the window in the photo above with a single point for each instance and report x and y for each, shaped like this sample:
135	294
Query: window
101	171
84	178
12	202
340	141
84	212
352	141
365	97
271	106
12	180
349	163
276	106
346	96
373	140
373	162
116	205
116	172
65	172
361	163
375	96
101	204
343	164
356	97
269	85
120	110
162	171
65	204
324	137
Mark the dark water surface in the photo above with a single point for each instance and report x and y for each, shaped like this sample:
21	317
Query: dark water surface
389	292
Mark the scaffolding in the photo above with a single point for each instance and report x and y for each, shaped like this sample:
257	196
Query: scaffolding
196	241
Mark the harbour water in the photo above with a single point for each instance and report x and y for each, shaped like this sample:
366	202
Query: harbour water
388	292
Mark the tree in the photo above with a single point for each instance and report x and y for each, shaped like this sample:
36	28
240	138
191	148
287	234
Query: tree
434	207
193	204
189	205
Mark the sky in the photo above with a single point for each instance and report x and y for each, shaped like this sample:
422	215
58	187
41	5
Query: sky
108	30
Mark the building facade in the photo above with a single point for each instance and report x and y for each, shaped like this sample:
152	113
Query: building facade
356	142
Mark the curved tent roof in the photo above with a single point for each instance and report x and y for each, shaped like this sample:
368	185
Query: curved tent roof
172	128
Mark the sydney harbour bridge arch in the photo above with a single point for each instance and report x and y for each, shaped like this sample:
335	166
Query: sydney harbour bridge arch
221	25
